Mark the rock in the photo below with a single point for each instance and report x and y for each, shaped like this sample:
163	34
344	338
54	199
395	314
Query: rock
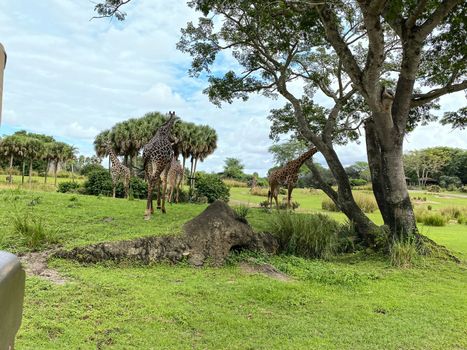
209	237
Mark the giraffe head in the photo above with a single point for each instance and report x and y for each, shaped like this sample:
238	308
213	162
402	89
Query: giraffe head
166	128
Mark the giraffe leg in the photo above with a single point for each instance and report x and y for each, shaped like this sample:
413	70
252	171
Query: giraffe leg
289	195
158	194
149	210
164	189
114	186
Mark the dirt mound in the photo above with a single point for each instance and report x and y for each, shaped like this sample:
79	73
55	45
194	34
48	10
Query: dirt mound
208	238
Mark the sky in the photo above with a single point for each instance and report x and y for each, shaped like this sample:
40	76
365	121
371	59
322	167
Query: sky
71	78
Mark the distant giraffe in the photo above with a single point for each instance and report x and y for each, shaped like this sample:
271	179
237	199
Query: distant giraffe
118	171
287	176
157	157
174	179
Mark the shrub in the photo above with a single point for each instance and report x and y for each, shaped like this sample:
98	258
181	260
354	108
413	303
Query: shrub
259	191
68	186
138	188
99	182
429	207
433	188
404	253
294	205
358	182
89	168
212	187
450	182
31	233
310	235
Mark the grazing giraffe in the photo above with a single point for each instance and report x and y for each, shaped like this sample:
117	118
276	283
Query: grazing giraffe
287	176
118	171
157	157
174	179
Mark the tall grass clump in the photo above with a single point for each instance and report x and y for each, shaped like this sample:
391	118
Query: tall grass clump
310	235
366	202
241	212
404	253
430	218
234	183
453	212
31	233
259	191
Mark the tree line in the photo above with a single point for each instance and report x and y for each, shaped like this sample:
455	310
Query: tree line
28	151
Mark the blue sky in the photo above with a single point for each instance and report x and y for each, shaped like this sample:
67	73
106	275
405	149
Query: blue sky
72	78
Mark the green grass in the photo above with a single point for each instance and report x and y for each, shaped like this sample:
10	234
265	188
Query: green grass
355	301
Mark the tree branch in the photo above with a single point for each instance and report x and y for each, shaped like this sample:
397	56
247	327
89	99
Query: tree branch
421	99
435	18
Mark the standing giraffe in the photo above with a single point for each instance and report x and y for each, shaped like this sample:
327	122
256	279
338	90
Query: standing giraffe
174	179
157	157
118	171
287	176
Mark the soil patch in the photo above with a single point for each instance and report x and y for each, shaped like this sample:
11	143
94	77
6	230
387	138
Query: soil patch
265	269
35	263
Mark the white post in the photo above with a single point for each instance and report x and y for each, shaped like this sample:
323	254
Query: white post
2	68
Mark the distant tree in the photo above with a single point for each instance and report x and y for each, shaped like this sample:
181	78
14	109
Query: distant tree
359	170
233	168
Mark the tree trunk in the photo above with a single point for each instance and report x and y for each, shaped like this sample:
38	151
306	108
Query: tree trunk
389	186
183	166
72	173
191	174
10	179
344	199
55	172
22	173
30	172
46	171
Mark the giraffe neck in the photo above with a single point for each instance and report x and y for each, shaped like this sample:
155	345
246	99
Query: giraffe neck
113	156
306	155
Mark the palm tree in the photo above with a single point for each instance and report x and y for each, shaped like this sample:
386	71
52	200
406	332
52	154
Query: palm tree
48	155
34	150
9	147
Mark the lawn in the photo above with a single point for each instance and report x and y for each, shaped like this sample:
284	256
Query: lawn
355	301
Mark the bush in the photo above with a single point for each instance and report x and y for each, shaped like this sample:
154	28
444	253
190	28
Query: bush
212	187
404	253
68	186
99	182
31	233
429	207
138	189
89	168
64	174
294	205
358	182
433	188
310	235
450	182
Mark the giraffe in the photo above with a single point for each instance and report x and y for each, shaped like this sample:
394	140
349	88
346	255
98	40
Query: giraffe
287	176
174	179
157	157
118	171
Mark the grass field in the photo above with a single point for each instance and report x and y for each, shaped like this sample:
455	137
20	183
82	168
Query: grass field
355	301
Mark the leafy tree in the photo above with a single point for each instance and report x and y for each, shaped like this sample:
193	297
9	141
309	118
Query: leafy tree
356	46
233	168
359	170
212	187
